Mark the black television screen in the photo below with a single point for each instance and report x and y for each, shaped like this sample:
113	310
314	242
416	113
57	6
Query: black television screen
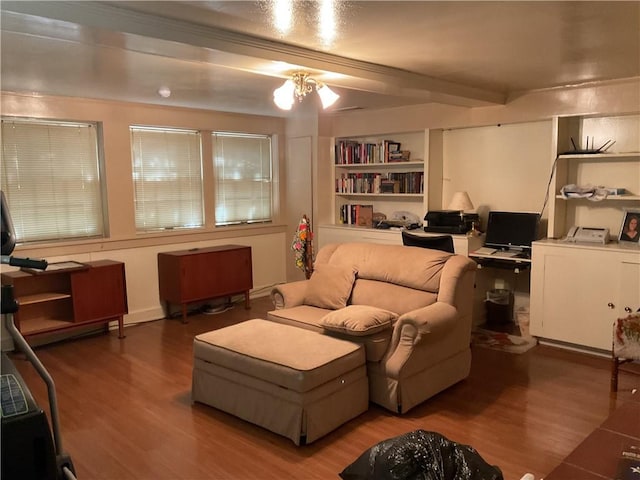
511	229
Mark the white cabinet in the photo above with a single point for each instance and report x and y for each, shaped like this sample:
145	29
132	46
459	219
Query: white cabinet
577	291
618	167
362	163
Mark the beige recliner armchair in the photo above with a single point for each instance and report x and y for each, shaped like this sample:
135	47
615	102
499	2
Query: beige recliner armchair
411	308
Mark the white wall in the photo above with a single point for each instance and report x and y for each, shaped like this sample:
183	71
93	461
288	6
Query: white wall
139	251
299	185
503	167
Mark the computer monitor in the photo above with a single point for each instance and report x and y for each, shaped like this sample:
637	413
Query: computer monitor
511	230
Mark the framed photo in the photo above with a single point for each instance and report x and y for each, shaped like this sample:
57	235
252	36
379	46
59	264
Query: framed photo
630	230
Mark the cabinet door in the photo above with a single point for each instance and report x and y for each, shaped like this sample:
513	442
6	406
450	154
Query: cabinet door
99	292
212	274
629	300
576	293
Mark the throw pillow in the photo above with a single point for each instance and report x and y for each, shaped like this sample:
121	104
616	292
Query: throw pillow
358	320
330	286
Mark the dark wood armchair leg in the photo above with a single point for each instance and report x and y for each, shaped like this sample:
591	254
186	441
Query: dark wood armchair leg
614	374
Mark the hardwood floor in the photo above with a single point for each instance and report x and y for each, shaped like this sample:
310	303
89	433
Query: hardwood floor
126	413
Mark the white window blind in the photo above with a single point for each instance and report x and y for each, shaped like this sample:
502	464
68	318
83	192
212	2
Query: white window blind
167	177
51	178
243	172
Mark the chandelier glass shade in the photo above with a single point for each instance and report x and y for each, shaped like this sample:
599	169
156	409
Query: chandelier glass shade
297	87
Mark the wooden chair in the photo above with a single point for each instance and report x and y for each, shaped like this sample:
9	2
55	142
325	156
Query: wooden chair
626	344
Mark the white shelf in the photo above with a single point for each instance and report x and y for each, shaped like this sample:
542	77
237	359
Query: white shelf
600	156
383	165
381	195
615	198
620	169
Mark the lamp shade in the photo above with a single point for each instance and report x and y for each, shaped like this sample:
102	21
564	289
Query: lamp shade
283	96
298	86
461	201
327	96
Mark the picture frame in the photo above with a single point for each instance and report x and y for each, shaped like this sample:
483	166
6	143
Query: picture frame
630	227
393	147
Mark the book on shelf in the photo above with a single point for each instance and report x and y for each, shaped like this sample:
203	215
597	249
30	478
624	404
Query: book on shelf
352	152
376	183
364	216
356	214
362	182
389	186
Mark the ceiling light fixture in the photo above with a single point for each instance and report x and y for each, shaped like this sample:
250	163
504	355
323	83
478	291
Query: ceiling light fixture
298	86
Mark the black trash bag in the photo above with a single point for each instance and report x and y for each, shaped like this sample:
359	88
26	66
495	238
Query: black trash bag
420	455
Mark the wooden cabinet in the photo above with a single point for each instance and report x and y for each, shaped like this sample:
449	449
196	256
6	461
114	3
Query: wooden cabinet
57	300
99	292
194	275
577	291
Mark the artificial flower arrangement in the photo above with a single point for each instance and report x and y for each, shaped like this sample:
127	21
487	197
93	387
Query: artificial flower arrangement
301	245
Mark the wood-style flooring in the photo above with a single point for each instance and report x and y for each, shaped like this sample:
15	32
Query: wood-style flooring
126	413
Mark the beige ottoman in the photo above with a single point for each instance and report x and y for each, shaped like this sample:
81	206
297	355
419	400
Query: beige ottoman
294	382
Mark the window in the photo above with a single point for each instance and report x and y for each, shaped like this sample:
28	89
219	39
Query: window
243	176
167	177
51	178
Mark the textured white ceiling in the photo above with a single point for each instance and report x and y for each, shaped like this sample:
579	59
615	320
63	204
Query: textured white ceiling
227	55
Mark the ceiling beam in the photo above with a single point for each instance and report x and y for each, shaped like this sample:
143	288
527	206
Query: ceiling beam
364	75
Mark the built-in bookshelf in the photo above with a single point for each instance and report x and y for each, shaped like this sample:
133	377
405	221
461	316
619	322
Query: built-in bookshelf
386	172
618	167
579	289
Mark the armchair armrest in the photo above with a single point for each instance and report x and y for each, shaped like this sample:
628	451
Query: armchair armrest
412	327
287	295
435	318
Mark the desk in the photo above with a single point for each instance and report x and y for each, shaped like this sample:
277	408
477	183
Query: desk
497	264
500	259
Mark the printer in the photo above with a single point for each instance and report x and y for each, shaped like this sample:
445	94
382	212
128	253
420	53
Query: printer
450	221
